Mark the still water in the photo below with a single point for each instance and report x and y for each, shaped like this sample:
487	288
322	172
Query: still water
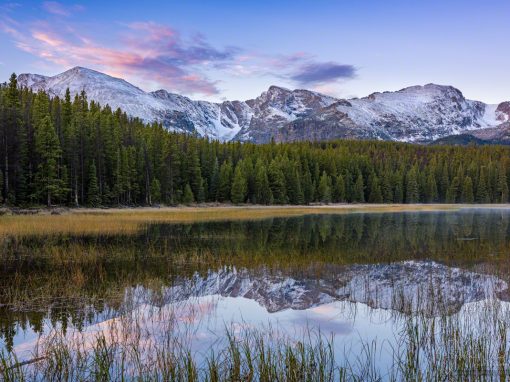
356	280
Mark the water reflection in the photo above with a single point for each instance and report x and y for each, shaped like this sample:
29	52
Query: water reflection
409	287
311	270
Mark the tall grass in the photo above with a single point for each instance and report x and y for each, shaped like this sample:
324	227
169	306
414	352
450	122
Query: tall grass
45	272
468	347
125	221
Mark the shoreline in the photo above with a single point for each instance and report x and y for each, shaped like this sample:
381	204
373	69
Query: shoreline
333	207
97	221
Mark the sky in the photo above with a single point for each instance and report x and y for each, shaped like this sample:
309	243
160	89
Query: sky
217	50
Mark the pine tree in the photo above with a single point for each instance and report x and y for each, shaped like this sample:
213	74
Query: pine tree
277	183
215	180
307	186
467	191
93	197
339	194
263	194
294	191
452	194
444	183
412	191
155	191
482	191
324	188
359	190
225	182
386	188
9	126
502	187
188	197
431	193
375	195
48	149
398	187
194	173
239	185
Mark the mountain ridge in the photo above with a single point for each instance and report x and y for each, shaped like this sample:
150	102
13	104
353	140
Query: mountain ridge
419	113
409	287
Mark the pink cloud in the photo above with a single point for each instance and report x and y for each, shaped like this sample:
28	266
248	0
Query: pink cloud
148	52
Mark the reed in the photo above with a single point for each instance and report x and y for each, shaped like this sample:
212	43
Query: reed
470	347
69	277
128	221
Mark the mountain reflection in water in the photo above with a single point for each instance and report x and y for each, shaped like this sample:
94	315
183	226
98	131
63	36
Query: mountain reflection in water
357	275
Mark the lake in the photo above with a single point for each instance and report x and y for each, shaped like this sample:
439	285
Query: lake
356	296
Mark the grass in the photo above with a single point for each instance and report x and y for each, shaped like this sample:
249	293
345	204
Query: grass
128	221
468	347
87	259
40	273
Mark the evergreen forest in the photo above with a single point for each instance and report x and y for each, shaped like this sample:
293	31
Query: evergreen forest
74	152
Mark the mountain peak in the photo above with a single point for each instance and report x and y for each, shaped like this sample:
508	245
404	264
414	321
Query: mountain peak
434	88
80	71
420	113
278	89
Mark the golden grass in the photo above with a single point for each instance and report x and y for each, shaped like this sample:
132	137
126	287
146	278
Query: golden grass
127	221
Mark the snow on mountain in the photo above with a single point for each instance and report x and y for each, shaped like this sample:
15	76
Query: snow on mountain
99	87
413	114
218	121
419	113
503	112
29	80
410	286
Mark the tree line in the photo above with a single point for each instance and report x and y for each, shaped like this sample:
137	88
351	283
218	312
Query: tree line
74	152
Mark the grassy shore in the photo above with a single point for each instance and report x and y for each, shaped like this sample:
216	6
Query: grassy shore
130	220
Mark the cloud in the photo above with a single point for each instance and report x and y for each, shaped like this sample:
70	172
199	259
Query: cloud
147	52
299	68
152	55
316	73
59	9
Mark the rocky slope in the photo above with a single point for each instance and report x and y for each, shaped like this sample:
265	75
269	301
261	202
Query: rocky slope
415	114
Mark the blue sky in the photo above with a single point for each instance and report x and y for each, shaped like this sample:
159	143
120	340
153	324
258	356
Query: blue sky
236	49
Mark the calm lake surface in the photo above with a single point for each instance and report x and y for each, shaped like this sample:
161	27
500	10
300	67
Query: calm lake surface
358	280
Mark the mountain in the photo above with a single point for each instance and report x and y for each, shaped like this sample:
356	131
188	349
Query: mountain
101	88
499	135
409	287
419	114
414	114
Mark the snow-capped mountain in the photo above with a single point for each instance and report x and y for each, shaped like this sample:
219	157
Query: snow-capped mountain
99	87
414	114
408	287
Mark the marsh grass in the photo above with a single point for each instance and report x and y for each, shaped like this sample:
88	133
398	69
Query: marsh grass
66	268
128	221
468	347
68	273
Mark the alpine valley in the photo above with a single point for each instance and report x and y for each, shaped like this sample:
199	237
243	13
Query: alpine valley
419	114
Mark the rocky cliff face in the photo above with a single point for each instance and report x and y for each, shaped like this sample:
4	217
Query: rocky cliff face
415	114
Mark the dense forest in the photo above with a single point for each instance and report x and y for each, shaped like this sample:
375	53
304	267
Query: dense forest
73	152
